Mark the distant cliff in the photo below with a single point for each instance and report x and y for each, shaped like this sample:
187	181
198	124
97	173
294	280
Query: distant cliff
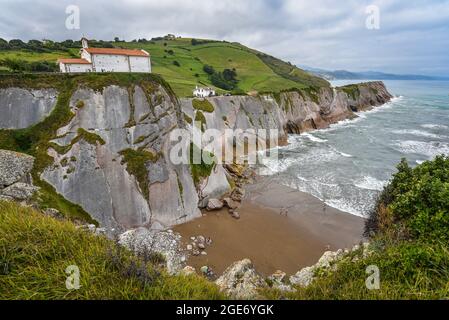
293	111
101	141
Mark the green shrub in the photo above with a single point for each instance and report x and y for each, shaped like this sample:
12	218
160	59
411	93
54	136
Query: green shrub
416	202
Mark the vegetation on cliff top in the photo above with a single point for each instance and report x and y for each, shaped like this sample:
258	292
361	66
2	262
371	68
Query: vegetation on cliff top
409	231
35	251
254	71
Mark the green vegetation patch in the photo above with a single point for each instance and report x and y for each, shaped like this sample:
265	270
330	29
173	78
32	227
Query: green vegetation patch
203	105
200	170
136	161
35	251
351	90
415	205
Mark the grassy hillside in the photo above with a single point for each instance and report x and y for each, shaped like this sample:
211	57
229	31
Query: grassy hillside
181	64
35	251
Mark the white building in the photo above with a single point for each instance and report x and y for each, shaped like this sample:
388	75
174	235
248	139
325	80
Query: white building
201	92
107	60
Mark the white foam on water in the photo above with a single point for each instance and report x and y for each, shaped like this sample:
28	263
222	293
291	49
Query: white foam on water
370	183
434	126
419	133
313	138
344	205
429	149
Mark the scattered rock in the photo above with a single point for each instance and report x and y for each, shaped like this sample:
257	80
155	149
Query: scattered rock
200	239
241	281
196	252
238	194
207	272
20	191
236	215
201	245
214	204
189	247
14	167
208	241
203	253
231	204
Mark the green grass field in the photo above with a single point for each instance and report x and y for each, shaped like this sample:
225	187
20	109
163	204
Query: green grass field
253	73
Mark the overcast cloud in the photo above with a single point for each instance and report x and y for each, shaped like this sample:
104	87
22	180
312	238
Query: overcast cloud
413	35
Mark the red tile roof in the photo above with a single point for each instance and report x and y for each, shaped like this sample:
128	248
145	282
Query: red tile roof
123	52
73	61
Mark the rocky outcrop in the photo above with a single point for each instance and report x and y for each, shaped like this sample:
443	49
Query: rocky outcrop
21	108
15	178
328	262
118	127
146	242
14	167
241	281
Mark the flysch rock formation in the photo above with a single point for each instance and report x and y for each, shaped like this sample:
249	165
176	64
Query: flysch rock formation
292	111
97	178
94	174
21	108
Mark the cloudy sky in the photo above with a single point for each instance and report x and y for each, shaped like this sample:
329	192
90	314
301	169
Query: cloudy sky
413	35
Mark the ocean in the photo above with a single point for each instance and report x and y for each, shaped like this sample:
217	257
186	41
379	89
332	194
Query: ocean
348	164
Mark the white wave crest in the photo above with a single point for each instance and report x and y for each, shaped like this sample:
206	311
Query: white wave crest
429	149
370	183
313	138
419	133
434	126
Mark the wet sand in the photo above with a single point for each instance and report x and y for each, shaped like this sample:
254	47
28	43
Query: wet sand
271	240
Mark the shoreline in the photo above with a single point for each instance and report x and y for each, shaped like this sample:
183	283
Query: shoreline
279	229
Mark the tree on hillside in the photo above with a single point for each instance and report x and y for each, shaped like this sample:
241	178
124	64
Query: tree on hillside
209	69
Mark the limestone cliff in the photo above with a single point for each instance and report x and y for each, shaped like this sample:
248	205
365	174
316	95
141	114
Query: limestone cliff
102	141
293	111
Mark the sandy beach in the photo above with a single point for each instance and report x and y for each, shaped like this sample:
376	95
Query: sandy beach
273	241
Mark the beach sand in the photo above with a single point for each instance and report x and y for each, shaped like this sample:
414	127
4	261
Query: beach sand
271	240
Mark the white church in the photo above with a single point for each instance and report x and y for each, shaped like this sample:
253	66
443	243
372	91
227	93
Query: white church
107	60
